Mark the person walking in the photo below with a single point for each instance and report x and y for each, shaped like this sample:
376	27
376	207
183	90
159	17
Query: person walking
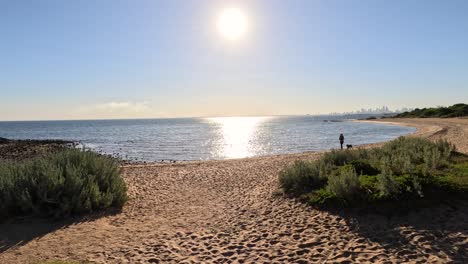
341	140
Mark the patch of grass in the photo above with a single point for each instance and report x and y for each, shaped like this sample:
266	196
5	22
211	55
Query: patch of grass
59	184
406	172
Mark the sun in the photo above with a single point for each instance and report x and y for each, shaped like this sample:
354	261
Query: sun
232	23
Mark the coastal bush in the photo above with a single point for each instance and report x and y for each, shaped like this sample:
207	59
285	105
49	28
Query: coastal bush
301	177
405	169
345	183
342	157
403	154
456	110
387	185
368	184
321	198
363	167
59	184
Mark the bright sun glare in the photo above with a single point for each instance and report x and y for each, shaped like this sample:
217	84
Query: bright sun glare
232	23
238	136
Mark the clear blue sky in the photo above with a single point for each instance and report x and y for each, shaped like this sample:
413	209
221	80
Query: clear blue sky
110	59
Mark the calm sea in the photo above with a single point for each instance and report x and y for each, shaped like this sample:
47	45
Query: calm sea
206	138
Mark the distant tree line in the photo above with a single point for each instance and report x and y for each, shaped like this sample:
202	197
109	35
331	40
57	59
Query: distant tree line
456	110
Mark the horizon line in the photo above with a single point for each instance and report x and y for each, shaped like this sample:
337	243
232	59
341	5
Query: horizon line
187	117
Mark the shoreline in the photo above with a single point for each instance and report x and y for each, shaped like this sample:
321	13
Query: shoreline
173	157
299	155
420	129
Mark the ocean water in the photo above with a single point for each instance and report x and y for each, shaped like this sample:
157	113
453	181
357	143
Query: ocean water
206	138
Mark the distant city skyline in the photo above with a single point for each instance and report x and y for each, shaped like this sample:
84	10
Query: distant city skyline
189	58
377	110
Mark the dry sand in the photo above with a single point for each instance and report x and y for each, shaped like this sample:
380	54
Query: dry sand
225	212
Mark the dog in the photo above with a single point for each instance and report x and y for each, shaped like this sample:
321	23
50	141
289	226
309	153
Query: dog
349	146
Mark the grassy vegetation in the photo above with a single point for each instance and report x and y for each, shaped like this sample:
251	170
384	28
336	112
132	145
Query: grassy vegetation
59	184
456	110
407	170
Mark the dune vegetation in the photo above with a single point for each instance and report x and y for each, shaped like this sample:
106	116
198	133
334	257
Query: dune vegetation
456	110
409	171
59	184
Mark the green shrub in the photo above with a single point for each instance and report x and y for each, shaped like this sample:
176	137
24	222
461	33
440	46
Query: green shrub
405	169
431	158
404	154
455	177
325	169
369	185
364	167
387	185
322	198
343	157
59	184
345	184
445	149
301	177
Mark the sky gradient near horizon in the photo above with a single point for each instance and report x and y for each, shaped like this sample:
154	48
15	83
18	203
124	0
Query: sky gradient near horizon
143	59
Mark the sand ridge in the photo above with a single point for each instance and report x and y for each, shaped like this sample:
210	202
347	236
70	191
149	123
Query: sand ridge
226	212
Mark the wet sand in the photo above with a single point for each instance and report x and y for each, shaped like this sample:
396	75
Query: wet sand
226	212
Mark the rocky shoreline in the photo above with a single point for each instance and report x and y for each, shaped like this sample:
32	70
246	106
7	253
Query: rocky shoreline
18	150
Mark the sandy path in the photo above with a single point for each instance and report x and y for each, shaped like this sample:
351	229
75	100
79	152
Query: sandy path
225	212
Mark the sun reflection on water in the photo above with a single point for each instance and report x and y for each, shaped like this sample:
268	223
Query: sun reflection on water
237	135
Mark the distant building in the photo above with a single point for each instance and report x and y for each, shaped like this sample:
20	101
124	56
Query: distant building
375	111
